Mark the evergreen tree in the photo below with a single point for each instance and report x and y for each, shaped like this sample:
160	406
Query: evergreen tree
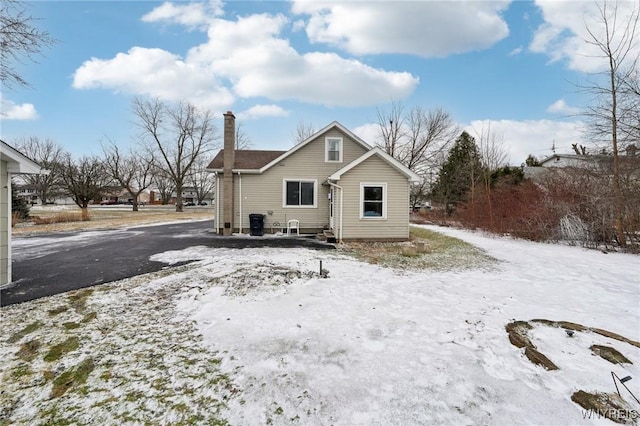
19	206
532	161
459	174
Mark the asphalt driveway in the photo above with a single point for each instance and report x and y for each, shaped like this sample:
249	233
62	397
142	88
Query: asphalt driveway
49	264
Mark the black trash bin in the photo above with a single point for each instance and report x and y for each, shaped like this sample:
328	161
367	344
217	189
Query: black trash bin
256	224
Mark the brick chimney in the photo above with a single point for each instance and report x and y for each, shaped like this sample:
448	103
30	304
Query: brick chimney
227	172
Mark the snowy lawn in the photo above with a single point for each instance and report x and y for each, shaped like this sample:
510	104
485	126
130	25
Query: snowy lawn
257	336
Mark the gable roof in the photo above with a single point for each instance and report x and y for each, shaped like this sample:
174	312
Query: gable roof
317	134
245	159
382	155
18	162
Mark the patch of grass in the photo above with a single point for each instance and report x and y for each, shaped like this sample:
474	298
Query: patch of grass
48	375
89	317
21	370
55	311
436	241
70	325
72	378
29	350
27	330
52	416
78	299
607	404
610	354
425	250
57	351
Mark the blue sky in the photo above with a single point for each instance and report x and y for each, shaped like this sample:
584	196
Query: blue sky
510	66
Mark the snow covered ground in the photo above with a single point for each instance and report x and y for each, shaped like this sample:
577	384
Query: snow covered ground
266	338
370	345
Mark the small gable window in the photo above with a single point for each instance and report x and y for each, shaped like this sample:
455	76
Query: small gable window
373	199
333	150
299	193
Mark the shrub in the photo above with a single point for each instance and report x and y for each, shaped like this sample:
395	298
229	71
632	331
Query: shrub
59	218
518	210
19	207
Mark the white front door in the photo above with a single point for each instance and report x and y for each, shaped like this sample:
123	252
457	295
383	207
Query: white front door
332	193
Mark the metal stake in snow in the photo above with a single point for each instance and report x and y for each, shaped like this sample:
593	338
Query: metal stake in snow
622	382
321	268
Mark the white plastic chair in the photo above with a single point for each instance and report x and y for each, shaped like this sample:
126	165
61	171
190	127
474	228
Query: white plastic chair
293	224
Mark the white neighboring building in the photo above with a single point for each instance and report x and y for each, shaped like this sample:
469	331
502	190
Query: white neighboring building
11	162
567	160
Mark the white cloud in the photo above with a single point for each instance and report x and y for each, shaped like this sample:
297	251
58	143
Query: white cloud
190	14
516	51
154	72
563	34
424	28
260	111
368	132
246	58
561	107
536	137
9	110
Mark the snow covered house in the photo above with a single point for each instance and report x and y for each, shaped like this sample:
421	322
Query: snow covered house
11	162
332	182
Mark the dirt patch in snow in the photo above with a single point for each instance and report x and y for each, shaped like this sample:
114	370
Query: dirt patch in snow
611	406
608	405
260	278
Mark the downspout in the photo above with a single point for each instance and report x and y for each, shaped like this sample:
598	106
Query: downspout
217	203
341	199
240	202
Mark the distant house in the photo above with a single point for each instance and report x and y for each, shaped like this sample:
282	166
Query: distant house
628	158
190	196
333	181
11	162
567	160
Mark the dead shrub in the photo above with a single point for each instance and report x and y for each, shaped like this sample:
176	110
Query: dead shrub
15	219
518	210
59	218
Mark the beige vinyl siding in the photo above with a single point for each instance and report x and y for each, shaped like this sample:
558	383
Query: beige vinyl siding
396	224
263	193
5	224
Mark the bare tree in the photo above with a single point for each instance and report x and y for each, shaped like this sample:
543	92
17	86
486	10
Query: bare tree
242	139
303	131
391	128
131	170
49	155
615	40
20	40
203	182
85	179
164	184
179	134
493	155
415	138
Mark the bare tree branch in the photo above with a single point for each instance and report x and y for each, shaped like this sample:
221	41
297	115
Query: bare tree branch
20	41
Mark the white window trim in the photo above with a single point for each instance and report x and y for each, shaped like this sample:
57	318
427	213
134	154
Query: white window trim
326	149
384	200
284	193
